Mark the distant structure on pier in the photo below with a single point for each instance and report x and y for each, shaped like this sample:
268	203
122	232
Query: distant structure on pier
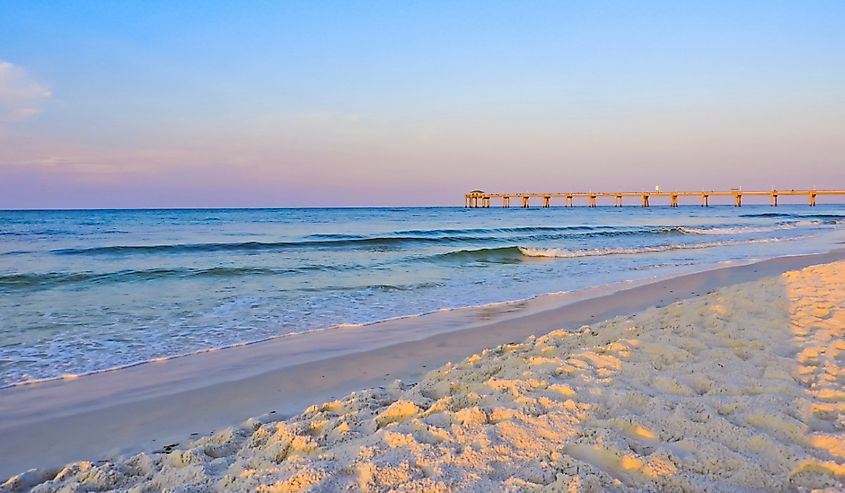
480	198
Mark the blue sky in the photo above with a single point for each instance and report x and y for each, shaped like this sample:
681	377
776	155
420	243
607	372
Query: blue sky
120	104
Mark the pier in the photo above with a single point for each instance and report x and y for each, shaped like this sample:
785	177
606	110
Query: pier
482	199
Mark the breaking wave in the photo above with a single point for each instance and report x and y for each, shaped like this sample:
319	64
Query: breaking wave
597	252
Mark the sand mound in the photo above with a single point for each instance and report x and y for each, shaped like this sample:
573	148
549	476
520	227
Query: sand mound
742	389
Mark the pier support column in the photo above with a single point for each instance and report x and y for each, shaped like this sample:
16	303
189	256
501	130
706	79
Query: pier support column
618	201
485	202
645	200
506	201
812	199
774	202
525	201
546	199
569	201
592	200
737	200
673	201
705	200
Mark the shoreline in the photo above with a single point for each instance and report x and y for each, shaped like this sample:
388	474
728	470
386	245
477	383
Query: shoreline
544	301
118	412
610	288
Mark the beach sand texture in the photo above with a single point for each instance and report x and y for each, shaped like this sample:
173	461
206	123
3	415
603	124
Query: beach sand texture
741	389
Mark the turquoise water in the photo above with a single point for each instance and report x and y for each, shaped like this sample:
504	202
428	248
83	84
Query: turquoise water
83	291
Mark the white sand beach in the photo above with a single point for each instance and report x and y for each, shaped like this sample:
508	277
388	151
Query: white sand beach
739	389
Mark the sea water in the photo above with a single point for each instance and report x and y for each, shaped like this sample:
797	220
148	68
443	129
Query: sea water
85	291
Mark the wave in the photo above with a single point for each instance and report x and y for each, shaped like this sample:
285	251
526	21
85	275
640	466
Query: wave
835	217
738	230
598	252
335	236
768	214
510	230
514	254
48	280
597	230
797	221
509	254
462	231
255	245
399	239
375	287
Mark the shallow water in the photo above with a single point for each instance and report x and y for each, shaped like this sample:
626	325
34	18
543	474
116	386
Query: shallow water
83	291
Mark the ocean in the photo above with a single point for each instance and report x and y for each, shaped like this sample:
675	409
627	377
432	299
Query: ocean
86	291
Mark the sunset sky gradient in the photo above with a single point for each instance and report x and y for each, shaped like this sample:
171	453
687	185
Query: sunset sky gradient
302	103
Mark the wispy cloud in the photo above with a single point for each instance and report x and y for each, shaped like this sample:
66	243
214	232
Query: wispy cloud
21	97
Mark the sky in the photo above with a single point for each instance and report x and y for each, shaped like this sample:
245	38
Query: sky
366	103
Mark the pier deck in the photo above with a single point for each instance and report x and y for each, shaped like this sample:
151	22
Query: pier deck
479	198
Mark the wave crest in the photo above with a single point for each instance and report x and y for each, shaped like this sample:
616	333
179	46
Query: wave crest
598	252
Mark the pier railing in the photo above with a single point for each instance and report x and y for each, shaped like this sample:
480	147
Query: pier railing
479	198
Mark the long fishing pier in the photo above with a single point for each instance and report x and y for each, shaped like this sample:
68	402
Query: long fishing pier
480	198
